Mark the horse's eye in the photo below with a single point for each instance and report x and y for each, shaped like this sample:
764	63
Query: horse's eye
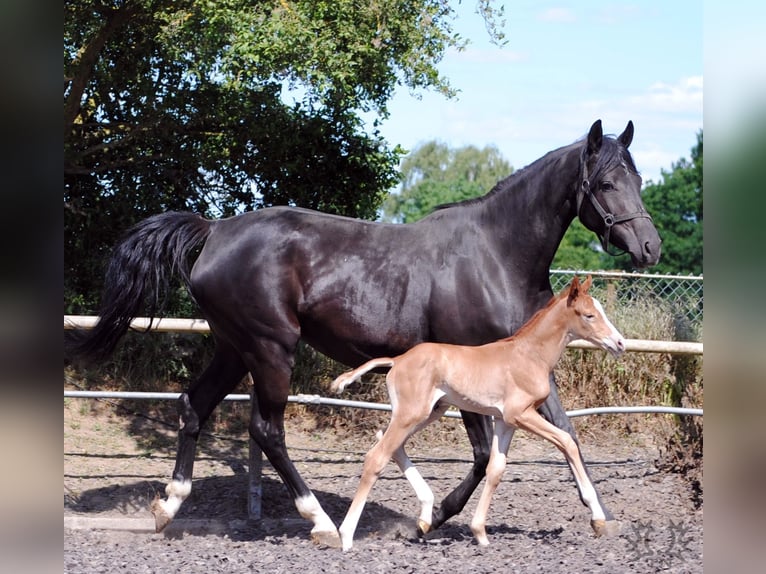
607	186
589	316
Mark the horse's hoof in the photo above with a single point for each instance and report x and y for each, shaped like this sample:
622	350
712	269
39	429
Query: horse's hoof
605	527
161	518
423	527
326	538
480	535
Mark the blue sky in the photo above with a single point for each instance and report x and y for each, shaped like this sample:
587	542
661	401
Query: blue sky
566	64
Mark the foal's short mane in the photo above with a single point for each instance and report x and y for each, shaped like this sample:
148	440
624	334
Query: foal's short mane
612	154
536	317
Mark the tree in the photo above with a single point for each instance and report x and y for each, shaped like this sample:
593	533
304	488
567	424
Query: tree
675	204
579	250
178	105
434	174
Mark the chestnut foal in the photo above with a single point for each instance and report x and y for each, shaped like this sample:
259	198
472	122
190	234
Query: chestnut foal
507	379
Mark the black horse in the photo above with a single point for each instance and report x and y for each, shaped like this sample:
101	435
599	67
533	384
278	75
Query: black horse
469	273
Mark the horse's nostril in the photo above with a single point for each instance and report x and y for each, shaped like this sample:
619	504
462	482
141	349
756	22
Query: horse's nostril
647	248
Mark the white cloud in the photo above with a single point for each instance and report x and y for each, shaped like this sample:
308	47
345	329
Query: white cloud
683	96
652	160
561	15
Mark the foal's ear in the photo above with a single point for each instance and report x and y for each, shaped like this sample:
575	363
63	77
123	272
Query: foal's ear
595	137
627	136
586	283
574	290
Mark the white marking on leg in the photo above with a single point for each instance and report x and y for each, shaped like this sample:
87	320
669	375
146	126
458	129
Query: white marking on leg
177	491
310	509
422	490
585	486
587	490
591	499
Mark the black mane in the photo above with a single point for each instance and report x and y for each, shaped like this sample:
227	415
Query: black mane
612	153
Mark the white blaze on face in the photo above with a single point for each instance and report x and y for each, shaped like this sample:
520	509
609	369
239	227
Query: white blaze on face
614	341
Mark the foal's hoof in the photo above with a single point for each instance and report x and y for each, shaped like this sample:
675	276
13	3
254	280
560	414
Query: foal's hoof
423	527
161	517
326	538
605	527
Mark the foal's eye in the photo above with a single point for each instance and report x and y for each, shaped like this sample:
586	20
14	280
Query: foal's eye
607	186
589	316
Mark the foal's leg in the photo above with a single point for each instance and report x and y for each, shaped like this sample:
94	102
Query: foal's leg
225	371
270	366
501	440
554	412
374	462
422	490
533	422
479	430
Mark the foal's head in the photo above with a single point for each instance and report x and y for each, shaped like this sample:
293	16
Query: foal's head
588	321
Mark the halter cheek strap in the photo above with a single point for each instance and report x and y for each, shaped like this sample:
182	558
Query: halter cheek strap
609	219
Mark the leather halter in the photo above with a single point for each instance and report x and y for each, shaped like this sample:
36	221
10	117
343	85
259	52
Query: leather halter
609	219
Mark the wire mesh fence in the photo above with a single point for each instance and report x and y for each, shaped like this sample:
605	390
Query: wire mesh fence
680	296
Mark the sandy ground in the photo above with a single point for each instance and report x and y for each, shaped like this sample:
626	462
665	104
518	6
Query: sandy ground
114	465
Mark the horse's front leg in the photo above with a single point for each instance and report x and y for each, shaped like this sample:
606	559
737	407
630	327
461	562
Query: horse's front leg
271	379
533	422
194	408
503	433
479	430
554	412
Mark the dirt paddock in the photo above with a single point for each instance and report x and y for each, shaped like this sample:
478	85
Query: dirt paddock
113	467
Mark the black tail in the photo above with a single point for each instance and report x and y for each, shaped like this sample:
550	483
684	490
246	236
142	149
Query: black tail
138	276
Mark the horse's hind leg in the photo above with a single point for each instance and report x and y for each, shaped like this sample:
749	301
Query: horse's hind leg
554	412
479	430
422	490
374	462
270	366
225	371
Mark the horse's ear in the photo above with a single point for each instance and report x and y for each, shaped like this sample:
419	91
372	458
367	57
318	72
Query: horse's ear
595	137
627	136
586	283
574	290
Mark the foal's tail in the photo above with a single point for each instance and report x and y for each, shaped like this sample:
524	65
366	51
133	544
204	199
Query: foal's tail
138	277
349	377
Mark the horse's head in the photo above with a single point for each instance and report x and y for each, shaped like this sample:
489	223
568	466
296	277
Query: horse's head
609	197
589	321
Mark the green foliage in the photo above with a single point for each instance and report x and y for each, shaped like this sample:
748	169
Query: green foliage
675	204
579	249
173	105
434	174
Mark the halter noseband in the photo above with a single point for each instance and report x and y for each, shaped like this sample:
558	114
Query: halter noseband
609	219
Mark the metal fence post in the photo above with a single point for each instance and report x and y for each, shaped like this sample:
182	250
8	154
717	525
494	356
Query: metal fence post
255	468
255	485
